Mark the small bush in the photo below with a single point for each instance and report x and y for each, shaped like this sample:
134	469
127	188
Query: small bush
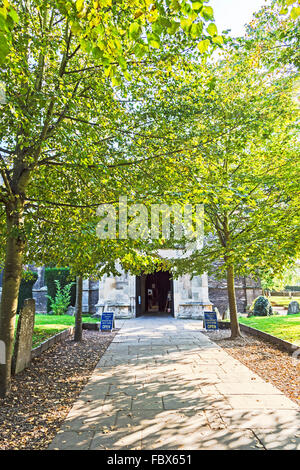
262	307
62	275
61	301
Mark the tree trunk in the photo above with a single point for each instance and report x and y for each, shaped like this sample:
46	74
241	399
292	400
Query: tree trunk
234	324
78	313
12	273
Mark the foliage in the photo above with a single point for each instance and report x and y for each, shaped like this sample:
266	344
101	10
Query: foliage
8	19
221	130
290	7
272	281
274	38
25	292
76	159
115	32
262	307
227	136
61	301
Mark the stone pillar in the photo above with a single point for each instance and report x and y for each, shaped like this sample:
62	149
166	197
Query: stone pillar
191	297
85	296
93	295
132	294
115	294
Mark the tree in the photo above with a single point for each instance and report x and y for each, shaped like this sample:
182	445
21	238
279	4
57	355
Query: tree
231	131
272	280
62	128
274	39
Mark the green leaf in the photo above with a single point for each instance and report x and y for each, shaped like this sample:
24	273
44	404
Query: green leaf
116	80
186	24
218	40
135	30
196	5
96	52
196	30
75	27
14	15
3	12
203	45
4	47
154	43
175	5
212	29
173	27
140	51
207	13
79	5
295	12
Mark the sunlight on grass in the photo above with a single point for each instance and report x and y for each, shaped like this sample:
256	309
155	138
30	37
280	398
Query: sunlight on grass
286	327
283	301
46	326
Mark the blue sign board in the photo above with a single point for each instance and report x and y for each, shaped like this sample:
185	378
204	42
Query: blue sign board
107	321
210	321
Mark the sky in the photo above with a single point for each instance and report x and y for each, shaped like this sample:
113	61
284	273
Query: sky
234	14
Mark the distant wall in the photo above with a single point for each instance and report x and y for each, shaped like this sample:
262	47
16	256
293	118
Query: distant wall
246	290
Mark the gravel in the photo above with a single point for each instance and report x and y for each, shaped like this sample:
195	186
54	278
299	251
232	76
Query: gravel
267	361
42	395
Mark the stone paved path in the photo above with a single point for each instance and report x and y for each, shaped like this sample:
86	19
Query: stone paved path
162	384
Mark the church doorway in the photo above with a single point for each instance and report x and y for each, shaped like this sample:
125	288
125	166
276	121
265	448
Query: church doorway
154	294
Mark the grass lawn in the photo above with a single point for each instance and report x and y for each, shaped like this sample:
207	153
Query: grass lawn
286	327
283	301
48	325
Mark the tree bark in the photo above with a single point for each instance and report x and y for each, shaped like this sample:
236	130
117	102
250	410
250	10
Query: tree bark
234	324
78	313
15	246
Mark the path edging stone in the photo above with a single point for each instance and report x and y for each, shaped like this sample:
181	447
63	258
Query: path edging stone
281	343
48	343
59	337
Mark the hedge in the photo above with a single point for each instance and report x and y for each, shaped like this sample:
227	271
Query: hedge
63	276
25	291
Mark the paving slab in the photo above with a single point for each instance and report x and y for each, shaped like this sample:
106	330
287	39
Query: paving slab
162	384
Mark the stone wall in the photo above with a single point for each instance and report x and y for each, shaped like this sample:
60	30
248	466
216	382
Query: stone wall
246	290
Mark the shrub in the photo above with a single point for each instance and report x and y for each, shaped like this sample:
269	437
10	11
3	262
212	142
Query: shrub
61	301
25	291
63	276
262	307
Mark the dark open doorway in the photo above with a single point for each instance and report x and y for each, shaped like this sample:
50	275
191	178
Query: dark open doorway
154	294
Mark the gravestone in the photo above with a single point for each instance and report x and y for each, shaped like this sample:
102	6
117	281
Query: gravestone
71	311
23	342
293	308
